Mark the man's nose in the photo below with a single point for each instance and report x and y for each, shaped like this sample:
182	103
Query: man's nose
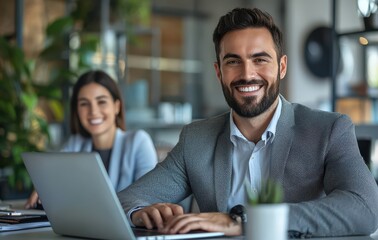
249	71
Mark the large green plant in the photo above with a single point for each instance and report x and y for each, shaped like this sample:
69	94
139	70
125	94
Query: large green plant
22	127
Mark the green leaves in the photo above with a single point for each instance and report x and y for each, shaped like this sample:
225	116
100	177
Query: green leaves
270	193
134	11
60	27
29	100
22	127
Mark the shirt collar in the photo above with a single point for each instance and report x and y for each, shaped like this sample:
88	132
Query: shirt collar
269	132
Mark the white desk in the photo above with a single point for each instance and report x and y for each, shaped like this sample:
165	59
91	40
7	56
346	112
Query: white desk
47	233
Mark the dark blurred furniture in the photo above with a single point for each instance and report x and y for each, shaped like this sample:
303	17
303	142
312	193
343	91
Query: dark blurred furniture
365	149
366	135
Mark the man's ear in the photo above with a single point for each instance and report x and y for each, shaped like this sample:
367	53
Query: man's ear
218	71
283	66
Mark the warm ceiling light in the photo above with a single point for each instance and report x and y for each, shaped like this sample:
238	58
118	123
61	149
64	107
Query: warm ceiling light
363	41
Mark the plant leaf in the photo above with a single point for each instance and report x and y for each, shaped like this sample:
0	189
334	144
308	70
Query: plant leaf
270	193
59	26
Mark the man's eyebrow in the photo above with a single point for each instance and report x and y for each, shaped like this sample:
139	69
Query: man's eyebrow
260	54
255	55
230	55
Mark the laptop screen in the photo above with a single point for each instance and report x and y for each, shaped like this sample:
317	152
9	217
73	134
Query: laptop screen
79	199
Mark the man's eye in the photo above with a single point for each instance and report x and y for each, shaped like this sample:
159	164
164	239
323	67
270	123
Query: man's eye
231	62
260	60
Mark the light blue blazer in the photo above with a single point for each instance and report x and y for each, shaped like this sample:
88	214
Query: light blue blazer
133	155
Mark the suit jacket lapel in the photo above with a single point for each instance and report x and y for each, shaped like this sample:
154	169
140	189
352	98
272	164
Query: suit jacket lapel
282	142
223	167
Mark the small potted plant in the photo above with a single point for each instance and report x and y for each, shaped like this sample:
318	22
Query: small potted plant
267	214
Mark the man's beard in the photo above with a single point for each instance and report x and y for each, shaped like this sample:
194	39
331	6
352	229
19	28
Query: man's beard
250	107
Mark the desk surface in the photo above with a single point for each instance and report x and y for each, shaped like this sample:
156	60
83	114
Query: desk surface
47	233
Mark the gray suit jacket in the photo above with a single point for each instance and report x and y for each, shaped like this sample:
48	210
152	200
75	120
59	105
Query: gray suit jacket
315	157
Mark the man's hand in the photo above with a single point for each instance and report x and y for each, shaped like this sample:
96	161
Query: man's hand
156	215
211	222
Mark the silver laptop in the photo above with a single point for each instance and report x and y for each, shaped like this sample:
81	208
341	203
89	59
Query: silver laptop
79	199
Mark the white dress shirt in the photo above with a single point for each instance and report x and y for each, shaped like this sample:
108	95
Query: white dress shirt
250	162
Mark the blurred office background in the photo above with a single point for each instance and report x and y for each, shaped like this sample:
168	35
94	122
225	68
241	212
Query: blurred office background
161	54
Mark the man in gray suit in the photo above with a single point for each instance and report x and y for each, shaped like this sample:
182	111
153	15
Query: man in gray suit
313	154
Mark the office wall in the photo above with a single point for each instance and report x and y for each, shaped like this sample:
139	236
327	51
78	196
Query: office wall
302	16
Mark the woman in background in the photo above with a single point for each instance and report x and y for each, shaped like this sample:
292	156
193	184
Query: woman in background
98	125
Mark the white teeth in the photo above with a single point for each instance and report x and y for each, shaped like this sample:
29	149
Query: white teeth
249	89
96	121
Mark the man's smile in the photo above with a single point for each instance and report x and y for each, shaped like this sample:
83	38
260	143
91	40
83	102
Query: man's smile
252	88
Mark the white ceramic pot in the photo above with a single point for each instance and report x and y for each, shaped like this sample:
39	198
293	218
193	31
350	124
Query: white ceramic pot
267	222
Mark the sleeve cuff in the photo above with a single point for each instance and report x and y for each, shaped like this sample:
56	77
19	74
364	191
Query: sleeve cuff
129	213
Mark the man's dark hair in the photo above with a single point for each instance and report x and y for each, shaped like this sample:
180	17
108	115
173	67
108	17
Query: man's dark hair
242	18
